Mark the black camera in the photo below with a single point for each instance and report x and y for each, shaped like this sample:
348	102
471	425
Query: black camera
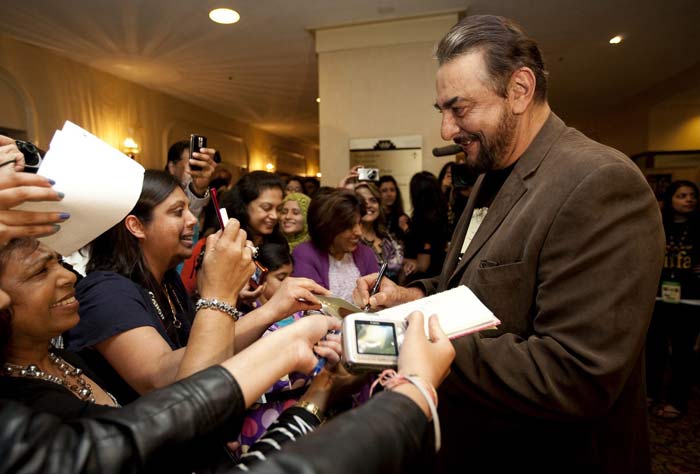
462	176
197	142
32	156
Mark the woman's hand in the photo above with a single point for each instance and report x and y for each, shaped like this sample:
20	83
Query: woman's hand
247	295
428	359
286	350
404	223
17	188
11	159
227	265
330	348
302	337
350	178
410	265
295	294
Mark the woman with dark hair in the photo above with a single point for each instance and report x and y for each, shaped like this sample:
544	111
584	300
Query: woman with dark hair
455	194
374	232
311	186
295	184
397	220
426	242
674	323
254	201
43	306
445	178
335	257
135	314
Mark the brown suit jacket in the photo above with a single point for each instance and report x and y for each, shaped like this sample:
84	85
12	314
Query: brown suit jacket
568	257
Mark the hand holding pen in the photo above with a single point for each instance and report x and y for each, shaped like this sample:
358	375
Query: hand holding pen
377	283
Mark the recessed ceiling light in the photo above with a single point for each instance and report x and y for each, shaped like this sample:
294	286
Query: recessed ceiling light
225	16
616	39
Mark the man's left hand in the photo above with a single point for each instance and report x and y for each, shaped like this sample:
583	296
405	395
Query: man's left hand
201	178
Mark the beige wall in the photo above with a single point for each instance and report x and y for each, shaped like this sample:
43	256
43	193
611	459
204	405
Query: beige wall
378	80
56	89
664	117
675	126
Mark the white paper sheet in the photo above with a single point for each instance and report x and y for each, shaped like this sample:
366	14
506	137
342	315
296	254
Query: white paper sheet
459	311
101	185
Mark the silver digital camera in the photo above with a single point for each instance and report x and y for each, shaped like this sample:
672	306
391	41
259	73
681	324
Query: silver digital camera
371	343
367	174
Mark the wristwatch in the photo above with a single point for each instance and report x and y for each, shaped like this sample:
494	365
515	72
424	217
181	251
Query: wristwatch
313	409
204	196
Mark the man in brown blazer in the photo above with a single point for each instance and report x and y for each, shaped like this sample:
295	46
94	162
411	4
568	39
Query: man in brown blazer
562	240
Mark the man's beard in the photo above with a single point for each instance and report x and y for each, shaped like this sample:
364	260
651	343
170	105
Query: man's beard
492	152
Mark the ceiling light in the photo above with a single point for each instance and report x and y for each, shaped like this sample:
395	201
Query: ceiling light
318	100
225	16
616	39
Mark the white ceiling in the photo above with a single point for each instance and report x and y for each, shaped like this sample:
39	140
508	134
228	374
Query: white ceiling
263	70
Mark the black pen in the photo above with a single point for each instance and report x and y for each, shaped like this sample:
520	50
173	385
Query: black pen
375	288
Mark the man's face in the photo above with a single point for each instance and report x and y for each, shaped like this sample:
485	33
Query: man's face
473	115
181	169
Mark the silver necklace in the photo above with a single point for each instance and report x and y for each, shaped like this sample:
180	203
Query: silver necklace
176	322
81	387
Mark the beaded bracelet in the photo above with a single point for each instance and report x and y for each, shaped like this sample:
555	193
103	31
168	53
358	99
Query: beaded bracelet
222	306
390	379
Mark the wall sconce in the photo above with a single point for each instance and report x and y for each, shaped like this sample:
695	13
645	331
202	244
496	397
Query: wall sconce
130	148
269	167
319	175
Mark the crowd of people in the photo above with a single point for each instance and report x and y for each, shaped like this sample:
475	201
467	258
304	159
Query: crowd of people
184	346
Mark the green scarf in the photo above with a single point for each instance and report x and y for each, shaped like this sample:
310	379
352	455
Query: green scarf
303	200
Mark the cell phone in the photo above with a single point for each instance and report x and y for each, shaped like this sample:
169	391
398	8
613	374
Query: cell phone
197	142
371	342
258	277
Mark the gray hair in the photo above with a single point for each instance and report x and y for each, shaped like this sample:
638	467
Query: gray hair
506	48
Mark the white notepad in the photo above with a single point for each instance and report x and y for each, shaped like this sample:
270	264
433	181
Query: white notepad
459	311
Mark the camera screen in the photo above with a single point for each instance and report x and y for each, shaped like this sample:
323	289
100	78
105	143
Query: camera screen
375	338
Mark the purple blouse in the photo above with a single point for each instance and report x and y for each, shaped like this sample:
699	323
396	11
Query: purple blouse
311	262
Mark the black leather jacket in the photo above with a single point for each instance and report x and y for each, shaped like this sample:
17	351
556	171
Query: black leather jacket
166	430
